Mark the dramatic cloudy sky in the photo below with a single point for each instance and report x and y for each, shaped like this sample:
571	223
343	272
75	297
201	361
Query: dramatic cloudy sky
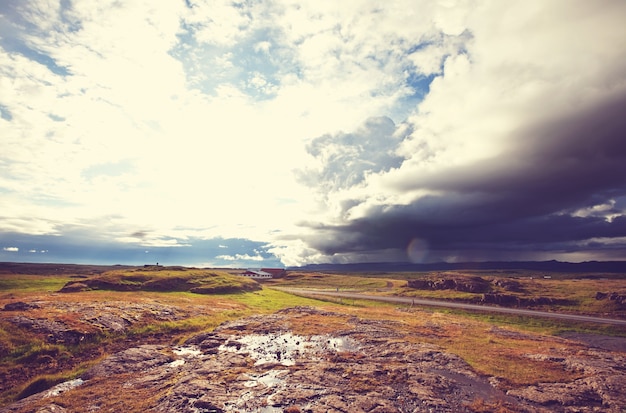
258	133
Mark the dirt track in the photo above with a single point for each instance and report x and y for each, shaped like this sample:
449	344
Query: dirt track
451	304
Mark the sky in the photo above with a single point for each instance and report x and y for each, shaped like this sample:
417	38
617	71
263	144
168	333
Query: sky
282	133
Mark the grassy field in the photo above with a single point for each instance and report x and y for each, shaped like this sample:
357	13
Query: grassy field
574	293
24	285
200	300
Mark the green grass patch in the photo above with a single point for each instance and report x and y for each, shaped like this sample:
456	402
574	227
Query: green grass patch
269	300
16	343
540	325
342	281
28	284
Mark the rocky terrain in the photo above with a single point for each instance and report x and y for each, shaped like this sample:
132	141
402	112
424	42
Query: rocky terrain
500	291
79	321
311	360
61	323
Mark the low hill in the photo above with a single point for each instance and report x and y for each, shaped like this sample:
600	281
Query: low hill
165	279
549	266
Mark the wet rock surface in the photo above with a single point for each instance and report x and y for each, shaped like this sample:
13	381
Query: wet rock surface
262	364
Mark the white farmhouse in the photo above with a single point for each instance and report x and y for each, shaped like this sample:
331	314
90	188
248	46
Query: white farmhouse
257	274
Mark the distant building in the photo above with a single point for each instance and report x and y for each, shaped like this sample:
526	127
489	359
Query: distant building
256	274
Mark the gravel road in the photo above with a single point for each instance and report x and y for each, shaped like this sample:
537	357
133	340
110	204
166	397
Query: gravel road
452	304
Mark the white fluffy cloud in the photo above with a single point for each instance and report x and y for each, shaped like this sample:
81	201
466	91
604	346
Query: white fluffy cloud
241	257
119	85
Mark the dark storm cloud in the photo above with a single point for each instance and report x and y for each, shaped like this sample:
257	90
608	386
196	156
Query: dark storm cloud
574	162
532	198
348	157
558	162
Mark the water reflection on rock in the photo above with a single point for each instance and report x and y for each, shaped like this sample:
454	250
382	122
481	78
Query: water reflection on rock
286	348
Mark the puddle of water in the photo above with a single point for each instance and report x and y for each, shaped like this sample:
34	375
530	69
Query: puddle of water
285	348
272	382
268	379
177	363
186	353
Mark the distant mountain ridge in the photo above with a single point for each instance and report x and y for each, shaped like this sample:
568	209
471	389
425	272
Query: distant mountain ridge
552	266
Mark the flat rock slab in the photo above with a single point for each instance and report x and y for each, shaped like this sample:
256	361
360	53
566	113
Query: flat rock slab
599	341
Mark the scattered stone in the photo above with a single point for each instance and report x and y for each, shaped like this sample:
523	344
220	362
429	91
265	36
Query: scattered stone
510	300
508	284
601	296
465	284
19	306
618	298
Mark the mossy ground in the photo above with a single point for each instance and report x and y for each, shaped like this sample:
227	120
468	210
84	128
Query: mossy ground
470	335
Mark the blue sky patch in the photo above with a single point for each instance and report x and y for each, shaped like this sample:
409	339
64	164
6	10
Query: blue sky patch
5	113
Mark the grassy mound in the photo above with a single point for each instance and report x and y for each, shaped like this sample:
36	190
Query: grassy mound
166	279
